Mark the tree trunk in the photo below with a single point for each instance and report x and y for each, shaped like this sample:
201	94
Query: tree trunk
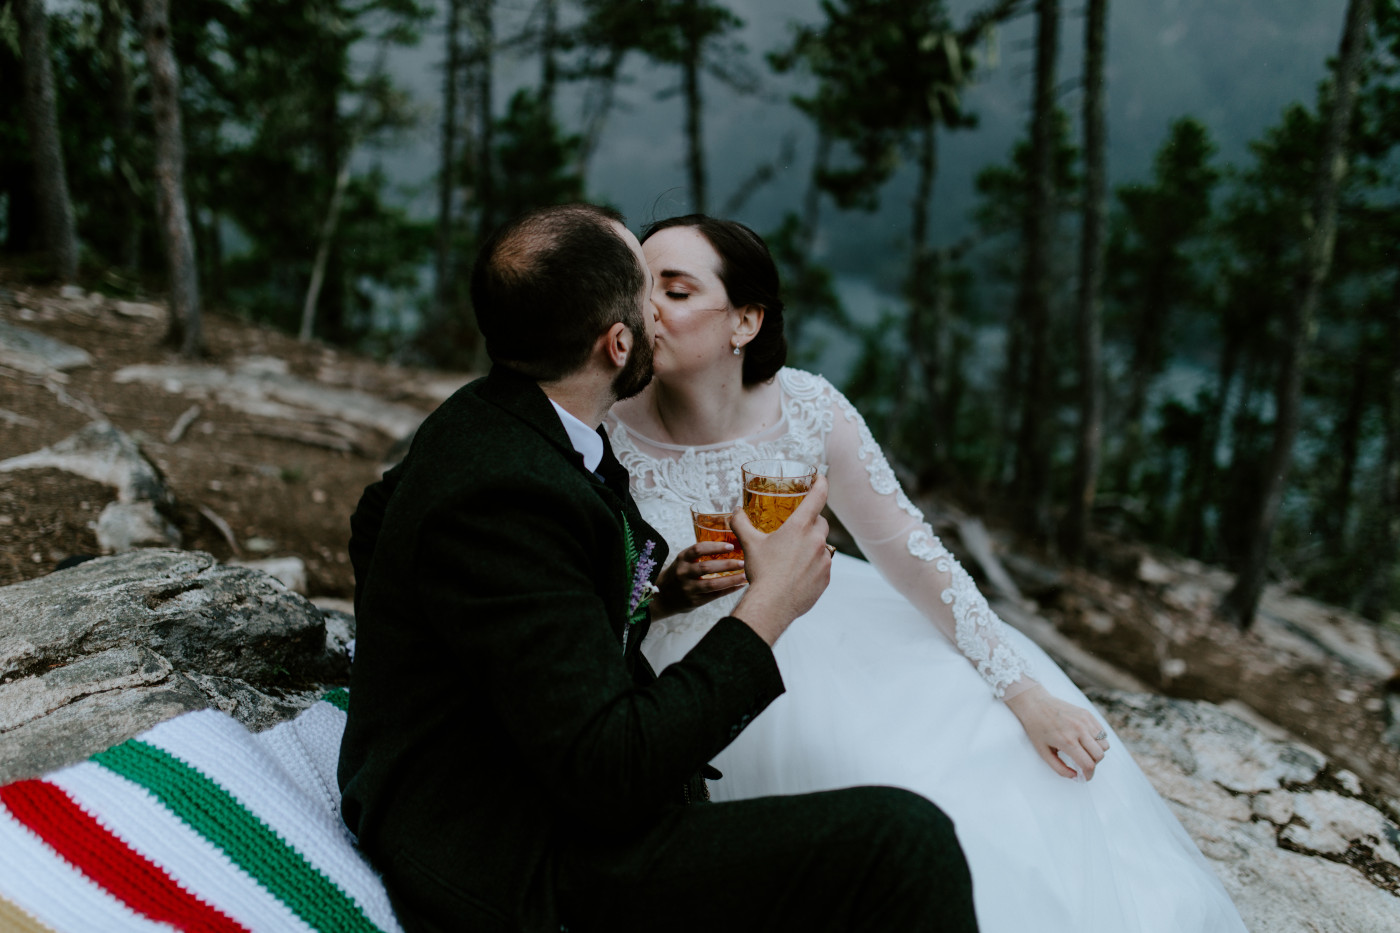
484	31
1331	521
324	304
923	200
927	299
1201	491
1012	389
1240	604
1033	453
326	238
21	220
186	325
323	249
1379	593
695	150
444	278
57	227
1088	318
121	108
1148	338
1243	469
218	287
549	53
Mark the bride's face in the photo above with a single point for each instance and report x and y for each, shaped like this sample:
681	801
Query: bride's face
695	327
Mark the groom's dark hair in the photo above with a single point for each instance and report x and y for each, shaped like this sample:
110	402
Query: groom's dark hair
549	282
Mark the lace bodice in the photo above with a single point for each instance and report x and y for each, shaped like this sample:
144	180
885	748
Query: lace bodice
818	425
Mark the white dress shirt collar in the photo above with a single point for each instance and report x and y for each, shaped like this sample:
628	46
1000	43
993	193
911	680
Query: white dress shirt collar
585	439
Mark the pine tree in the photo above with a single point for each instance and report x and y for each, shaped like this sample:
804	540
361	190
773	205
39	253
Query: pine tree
1033	447
889	75
54	207
186	323
1088	311
1155	277
1319	225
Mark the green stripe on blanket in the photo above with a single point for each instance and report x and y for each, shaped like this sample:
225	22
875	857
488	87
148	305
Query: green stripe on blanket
339	698
249	842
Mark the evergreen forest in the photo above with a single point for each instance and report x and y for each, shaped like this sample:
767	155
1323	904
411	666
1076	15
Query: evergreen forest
221	153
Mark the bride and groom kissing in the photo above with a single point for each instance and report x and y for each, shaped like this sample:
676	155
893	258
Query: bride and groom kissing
539	694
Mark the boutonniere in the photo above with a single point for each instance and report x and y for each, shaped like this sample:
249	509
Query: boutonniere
640	565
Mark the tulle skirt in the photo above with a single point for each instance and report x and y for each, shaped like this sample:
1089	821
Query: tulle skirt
876	695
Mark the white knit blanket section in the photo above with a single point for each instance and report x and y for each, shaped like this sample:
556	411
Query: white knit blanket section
48	889
199	817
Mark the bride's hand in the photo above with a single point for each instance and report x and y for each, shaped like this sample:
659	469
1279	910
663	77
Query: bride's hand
683	585
1056	726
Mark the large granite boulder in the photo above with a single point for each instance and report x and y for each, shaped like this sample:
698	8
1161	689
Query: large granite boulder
94	654
1299	844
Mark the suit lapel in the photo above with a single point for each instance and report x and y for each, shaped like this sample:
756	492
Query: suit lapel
522	397
616	489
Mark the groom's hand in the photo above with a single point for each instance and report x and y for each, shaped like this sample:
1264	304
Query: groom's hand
787	569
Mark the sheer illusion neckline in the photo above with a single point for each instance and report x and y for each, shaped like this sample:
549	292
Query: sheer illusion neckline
776	429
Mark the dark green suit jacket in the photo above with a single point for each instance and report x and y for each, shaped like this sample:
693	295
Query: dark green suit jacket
493	714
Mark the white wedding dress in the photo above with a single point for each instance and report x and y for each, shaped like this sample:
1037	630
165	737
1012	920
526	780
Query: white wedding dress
895	677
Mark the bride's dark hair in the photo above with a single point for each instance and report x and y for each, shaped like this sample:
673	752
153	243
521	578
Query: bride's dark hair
750	277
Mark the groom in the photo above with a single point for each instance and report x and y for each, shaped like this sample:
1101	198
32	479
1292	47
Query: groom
511	761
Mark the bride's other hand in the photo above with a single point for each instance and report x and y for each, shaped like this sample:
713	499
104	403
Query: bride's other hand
683	584
1056	726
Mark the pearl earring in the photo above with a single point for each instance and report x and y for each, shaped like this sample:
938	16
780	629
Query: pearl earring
736	350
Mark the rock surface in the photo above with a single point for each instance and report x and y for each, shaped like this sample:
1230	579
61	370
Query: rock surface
1303	628
1299	846
94	654
262	386
36	354
1392	732
289	571
104	454
124	526
107	455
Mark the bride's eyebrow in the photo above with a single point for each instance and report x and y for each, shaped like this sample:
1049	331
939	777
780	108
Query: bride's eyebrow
678	274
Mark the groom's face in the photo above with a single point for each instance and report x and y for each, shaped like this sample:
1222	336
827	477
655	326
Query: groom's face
636	373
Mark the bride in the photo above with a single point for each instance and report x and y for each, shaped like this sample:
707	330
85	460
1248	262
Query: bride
901	674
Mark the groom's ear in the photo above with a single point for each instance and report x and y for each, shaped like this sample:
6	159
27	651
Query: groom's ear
617	344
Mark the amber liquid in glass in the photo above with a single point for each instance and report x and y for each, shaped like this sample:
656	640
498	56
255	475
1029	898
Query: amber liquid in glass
768	501
715	527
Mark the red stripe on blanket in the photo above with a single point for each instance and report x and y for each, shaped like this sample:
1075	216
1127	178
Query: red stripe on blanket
108	860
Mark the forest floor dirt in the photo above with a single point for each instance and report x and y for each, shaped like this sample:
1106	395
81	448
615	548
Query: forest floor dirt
282	492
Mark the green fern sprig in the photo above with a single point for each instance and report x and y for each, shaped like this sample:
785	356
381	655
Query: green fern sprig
629	543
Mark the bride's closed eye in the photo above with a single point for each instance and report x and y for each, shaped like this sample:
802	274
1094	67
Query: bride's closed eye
678	295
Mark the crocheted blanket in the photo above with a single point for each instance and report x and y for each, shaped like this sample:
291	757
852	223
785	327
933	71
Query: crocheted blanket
196	825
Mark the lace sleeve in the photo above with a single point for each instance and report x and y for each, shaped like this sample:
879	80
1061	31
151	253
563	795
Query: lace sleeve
891	531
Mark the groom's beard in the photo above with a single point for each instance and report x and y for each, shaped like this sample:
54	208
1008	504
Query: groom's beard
637	371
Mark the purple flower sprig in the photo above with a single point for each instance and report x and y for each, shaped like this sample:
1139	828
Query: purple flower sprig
642	587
